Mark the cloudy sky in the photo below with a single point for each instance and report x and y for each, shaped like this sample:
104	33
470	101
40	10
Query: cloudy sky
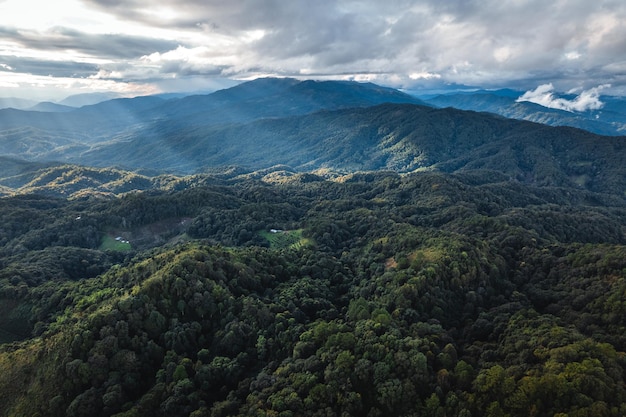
52	49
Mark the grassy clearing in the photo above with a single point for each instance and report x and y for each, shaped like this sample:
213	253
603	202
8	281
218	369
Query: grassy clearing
285	239
110	243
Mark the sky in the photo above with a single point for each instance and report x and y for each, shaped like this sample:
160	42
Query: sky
52	49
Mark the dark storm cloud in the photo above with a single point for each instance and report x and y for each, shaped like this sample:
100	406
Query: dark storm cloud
47	67
232	15
321	28
186	69
461	40
97	45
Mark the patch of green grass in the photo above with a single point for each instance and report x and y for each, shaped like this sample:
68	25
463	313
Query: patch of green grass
285	239
110	243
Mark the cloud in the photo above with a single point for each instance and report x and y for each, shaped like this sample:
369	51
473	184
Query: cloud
102	46
55	88
572	55
45	67
5	84
188	61
544	95
488	44
424	75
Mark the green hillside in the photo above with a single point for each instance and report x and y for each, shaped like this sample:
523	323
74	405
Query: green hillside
302	125
397	137
288	248
436	294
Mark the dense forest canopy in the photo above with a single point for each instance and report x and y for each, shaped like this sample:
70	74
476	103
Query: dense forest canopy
287	248
282	294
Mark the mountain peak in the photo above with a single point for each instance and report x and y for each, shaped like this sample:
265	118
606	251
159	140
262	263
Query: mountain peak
47	106
280	97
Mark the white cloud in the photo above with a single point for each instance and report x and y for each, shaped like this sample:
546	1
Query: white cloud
544	95
107	75
502	54
4	84
424	75
184	61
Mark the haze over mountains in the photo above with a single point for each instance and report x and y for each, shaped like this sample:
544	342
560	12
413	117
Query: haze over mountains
71	102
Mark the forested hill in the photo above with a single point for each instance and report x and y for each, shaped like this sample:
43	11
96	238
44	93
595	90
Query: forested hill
307	125
283	294
332	249
398	137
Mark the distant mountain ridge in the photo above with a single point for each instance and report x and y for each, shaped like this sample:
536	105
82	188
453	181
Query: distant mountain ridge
68	134
16	103
309	125
609	120
277	97
267	97
48	106
86	99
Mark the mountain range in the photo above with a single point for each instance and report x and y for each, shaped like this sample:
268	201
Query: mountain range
287	248
66	136
310	125
607	120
